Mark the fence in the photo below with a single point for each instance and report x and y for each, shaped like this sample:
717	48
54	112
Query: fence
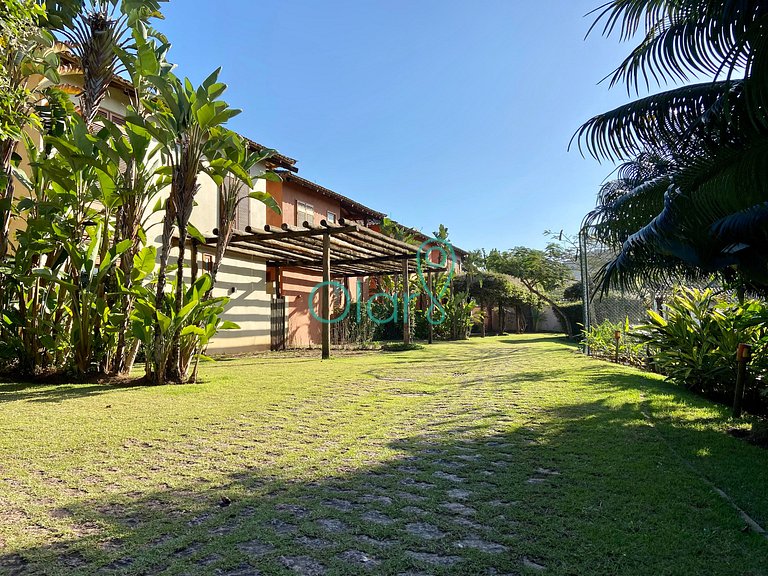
616	308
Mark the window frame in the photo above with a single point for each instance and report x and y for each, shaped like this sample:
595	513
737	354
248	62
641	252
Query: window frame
308	210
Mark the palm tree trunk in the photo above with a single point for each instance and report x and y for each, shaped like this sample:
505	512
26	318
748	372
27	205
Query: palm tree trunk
6	196
159	358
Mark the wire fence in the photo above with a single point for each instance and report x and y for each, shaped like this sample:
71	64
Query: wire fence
615	308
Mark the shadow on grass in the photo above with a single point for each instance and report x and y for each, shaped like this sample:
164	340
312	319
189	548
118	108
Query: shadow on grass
47	392
582	488
554	339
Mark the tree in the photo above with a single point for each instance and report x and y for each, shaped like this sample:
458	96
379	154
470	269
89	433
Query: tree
696	199
98	34
188	124
26	52
492	289
540	271
80	275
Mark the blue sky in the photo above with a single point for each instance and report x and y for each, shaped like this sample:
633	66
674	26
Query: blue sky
433	111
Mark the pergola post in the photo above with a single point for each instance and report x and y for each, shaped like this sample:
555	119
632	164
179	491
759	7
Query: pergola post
406	305
431	309
193	260
325	297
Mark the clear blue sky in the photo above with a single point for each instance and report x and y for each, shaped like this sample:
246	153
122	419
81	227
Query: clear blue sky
433	111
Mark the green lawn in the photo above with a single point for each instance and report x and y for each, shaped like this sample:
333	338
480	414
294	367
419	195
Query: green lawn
496	456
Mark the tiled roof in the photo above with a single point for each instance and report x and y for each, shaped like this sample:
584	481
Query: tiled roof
345	201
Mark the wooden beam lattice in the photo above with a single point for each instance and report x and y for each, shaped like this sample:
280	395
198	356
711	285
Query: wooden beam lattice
350	249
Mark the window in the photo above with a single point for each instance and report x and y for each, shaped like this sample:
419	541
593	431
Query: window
304	213
243	214
331	217
208	263
113	117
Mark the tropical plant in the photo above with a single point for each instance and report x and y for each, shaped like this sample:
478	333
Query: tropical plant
460	314
602	343
188	124
693	199
694	344
540	271
100	36
25	53
235	189
492	289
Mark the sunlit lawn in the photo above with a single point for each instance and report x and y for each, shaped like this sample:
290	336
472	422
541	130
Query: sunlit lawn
496	456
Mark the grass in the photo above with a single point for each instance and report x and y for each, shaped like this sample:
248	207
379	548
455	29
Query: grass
510	455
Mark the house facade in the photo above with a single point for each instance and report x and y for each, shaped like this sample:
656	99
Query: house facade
252	286
304	201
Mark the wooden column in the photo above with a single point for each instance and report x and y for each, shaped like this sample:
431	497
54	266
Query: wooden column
406	305
430	319
742	359
325	297
193	261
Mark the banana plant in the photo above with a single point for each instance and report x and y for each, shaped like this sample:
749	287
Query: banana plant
198	320
203	324
84	276
187	122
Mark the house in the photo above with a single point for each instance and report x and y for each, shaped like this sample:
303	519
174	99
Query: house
304	201
260	291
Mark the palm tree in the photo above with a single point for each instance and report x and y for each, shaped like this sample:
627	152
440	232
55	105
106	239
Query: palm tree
97	36
702	206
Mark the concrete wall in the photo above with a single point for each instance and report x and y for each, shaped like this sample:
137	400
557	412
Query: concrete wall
548	321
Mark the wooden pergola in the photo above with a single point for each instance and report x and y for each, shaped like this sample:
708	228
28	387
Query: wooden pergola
343	250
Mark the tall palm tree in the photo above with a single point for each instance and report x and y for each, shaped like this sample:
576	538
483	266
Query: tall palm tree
704	207
97	36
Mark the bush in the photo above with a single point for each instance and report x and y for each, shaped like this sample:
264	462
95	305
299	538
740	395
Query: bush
575	313
695	345
400	347
353	331
601	340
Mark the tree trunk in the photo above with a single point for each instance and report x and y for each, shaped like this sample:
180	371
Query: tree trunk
6	195
159	357
552	303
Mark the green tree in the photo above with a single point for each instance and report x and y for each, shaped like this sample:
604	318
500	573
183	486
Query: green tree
693	198
540	271
188	124
26	52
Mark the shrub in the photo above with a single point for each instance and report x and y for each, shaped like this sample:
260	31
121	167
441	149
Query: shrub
695	345
601	340
575	313
400	347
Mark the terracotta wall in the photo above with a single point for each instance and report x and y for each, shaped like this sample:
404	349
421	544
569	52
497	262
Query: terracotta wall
292	192
295	285
303	329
